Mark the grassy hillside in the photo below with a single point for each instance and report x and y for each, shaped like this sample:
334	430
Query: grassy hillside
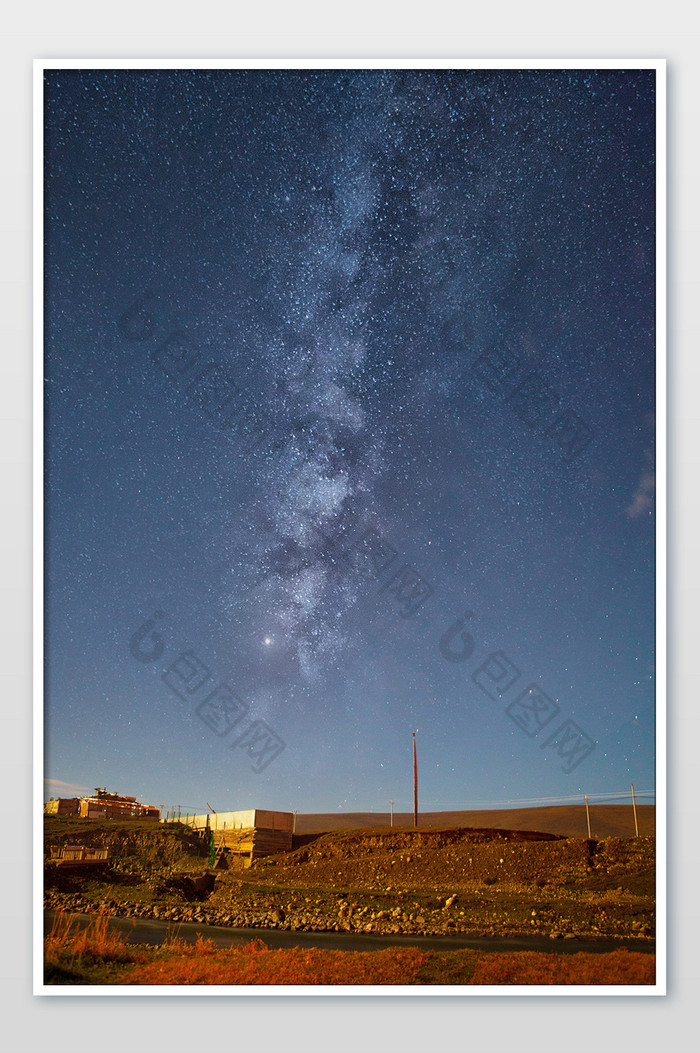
607	820
144	845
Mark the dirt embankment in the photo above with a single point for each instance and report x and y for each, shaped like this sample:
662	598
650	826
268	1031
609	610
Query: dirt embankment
430	859
431	881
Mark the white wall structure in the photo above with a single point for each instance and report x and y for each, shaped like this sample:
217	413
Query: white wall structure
253	819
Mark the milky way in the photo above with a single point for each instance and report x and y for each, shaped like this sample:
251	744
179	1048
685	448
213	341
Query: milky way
334	358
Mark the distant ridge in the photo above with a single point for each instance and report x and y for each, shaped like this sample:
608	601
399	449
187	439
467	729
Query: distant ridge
607	820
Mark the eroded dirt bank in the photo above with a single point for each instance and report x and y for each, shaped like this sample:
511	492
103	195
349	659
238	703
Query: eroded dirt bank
435	882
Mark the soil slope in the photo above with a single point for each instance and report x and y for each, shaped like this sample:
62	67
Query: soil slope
431	880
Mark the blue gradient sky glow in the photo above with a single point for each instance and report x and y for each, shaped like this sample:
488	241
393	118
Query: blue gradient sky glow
350	432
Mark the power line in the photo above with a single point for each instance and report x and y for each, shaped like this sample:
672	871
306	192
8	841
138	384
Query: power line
571	798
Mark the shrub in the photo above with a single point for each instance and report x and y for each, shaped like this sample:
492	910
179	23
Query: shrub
72	952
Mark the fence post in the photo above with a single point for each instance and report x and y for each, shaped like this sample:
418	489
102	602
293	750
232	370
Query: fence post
634	809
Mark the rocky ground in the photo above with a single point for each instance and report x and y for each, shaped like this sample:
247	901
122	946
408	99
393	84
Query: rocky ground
458	881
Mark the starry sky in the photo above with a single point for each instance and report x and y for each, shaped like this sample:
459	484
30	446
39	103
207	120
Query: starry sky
350	420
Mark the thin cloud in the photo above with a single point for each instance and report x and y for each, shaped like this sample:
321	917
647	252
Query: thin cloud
643	500
58	788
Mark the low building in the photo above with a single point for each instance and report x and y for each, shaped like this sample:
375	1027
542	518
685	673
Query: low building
102	805
253	833
81	856
62	806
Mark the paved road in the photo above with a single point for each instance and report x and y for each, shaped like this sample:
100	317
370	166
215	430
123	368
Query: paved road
151	931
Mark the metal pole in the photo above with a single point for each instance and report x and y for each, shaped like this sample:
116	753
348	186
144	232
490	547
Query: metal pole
634	809
588	819
294	822
415	783
392	813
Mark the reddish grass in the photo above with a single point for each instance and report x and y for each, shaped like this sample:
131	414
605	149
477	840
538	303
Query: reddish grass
531	967
257	964
68	941
95	955
89	955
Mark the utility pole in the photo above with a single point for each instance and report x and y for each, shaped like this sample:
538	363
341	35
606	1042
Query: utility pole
634	809
415	783
391	821
588	819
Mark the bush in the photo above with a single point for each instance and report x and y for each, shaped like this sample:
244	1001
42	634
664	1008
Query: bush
75	954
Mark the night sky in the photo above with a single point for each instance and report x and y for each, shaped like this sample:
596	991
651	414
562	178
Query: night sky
350	381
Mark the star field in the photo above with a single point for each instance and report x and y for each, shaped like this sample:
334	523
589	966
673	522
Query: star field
350	399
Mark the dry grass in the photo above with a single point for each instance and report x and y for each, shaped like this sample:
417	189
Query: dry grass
73	954
257	964
528	967
96	955
94	940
